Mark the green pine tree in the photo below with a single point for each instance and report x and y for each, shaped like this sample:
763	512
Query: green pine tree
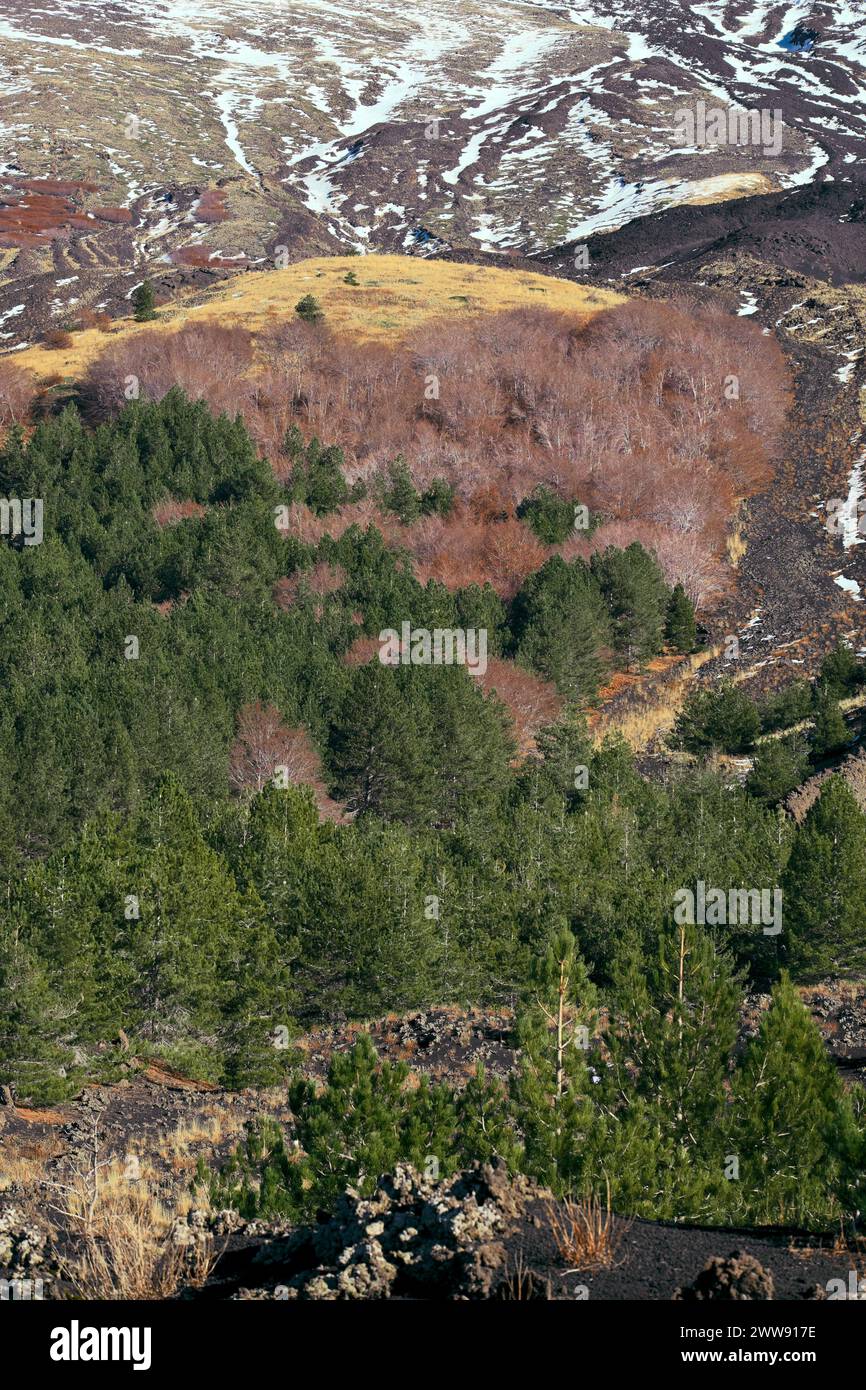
144	302
400	496
380	746
779	766
721	719
680	627
830	733
309	309
792	1128
824	888
348	1134
36	1058
637	597
841	672
673	1025
566	752
550	1090
485	1127
560	627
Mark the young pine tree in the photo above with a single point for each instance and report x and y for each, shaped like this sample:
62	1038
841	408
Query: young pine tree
143	302
36	1059
400	496
380	745
830	733
560	625
566	751
680	627
780	765
721	718
792	1128
309	309
841	672
550	1090
671	1030
824	888
673	1025
349	1133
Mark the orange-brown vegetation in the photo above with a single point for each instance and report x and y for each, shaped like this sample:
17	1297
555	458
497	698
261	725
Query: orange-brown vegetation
57	338
17	393
41	211
362	650
212	206
62	188
120	215
531	702
319	581
266	747
202	258
206	361
586	1234
170	510
94	318
660	418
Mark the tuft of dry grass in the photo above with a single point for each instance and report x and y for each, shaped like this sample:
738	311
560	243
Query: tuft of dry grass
26	1166
585	1232
126	1240
213	1128
521	1285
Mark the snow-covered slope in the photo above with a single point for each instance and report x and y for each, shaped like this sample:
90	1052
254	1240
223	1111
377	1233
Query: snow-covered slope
486	124
515	122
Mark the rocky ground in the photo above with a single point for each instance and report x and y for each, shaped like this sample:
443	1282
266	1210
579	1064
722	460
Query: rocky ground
481	1236
477	1235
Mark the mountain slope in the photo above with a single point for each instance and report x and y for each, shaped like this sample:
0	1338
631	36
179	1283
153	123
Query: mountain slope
209	136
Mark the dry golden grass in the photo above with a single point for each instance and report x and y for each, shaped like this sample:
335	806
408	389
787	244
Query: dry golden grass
27	1164
584	1232
179	1148
657	712
721	188
126	1246
394	295
736	545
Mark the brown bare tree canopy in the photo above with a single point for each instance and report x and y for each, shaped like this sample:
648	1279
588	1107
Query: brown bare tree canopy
17	393
658	417
266	748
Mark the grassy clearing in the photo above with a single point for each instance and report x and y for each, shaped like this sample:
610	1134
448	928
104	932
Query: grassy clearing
394	295
657	697
26	1163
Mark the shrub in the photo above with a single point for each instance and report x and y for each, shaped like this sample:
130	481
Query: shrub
143	302
550	516
58	338
309	309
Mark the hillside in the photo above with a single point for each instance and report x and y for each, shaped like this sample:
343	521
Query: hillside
433	656
216	135
393	296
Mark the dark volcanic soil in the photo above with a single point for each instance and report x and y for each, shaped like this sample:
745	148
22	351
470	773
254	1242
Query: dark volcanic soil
479	1235
818	231
653	1260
